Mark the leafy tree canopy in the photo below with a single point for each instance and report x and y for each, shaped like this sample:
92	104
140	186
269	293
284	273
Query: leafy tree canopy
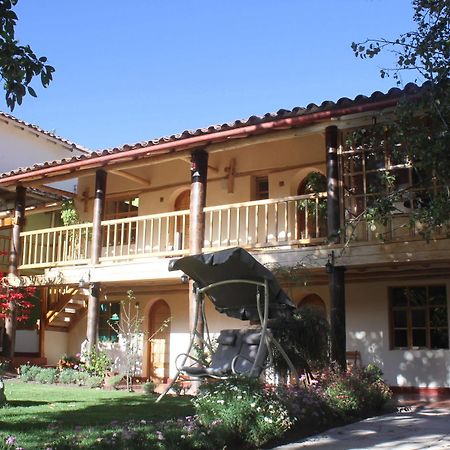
420	130
18	63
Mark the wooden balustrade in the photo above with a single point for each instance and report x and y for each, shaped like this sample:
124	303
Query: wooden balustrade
296	220
143	236
266	223
56	246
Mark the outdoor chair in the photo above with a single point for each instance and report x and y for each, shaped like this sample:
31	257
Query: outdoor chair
235	355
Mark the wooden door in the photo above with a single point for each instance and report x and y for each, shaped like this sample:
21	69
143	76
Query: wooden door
160	343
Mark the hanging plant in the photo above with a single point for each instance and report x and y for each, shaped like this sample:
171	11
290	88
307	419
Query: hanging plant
69	213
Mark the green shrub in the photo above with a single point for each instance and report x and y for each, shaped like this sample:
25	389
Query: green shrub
113	381
241	411
68	376
94	381
358	393
149	387
47	376
98	363
28	373
82	378
4	367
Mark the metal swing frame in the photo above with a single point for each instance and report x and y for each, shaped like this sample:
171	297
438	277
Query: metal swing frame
266	339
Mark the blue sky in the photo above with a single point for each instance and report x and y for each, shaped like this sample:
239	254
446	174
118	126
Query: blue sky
131	71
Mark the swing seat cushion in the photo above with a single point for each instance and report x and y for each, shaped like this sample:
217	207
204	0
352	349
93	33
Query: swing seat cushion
236	350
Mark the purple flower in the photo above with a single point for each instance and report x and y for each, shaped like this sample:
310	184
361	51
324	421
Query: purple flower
10	440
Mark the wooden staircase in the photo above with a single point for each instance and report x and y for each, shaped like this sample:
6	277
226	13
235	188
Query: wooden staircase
66	306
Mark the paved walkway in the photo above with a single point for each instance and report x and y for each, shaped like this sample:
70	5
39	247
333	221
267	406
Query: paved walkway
418	424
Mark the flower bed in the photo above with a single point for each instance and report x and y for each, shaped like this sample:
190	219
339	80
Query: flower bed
243	413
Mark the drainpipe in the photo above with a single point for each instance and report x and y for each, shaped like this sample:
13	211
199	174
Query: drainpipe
14	262
94	289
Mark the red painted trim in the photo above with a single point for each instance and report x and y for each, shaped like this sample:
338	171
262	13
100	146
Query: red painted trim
198	141
426	391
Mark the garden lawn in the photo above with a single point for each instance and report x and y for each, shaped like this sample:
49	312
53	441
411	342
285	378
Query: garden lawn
36	413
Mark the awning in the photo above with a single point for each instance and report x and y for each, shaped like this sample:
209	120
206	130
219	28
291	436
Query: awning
235	300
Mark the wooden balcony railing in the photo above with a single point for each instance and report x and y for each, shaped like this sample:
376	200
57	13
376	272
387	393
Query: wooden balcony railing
297	220
56	246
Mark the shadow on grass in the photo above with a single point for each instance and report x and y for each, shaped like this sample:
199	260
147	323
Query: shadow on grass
23	403
103	412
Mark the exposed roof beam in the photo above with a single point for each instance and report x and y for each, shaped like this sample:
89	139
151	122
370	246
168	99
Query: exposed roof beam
130	176
56	191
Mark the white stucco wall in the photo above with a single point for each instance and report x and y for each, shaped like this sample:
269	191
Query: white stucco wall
55	346
367	322
21	146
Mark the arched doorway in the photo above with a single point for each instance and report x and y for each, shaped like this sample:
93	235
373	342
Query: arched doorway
182	203
315	302
311	221
159	353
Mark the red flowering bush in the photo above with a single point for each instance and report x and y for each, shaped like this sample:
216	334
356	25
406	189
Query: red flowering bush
20	295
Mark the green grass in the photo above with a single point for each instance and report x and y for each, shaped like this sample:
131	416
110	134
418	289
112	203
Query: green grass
36	413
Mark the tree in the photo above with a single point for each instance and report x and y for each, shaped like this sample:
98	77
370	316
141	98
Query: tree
17	303
18	63
128	327
419	133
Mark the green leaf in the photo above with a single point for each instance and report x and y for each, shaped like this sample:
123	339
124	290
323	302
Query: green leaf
31	91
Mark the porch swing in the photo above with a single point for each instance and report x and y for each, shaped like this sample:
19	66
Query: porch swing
241	288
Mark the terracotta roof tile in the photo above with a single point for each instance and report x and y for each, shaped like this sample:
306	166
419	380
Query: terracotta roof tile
39	130
212	129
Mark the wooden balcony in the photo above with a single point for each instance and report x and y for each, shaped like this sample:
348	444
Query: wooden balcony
286	222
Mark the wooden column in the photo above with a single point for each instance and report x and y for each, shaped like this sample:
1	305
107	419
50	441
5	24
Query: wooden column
199	171
336	275
9	341
333	197
94	291
337	315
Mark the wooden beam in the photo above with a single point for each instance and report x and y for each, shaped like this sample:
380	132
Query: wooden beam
56	191
231	169
187	160
132	177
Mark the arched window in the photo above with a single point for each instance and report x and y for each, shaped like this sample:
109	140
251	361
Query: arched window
315	302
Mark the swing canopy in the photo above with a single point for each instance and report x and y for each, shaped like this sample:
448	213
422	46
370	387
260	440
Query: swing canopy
237	300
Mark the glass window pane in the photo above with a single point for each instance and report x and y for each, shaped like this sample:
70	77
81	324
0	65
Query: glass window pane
400	338
374	183
356	162
419	338
374	159
439	338
417	296
356	185
418	317
438	316
399	297
437	295
400	319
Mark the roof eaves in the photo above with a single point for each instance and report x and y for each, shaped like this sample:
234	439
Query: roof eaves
48	134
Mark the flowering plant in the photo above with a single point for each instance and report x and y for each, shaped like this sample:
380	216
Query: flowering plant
243	411
19	296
